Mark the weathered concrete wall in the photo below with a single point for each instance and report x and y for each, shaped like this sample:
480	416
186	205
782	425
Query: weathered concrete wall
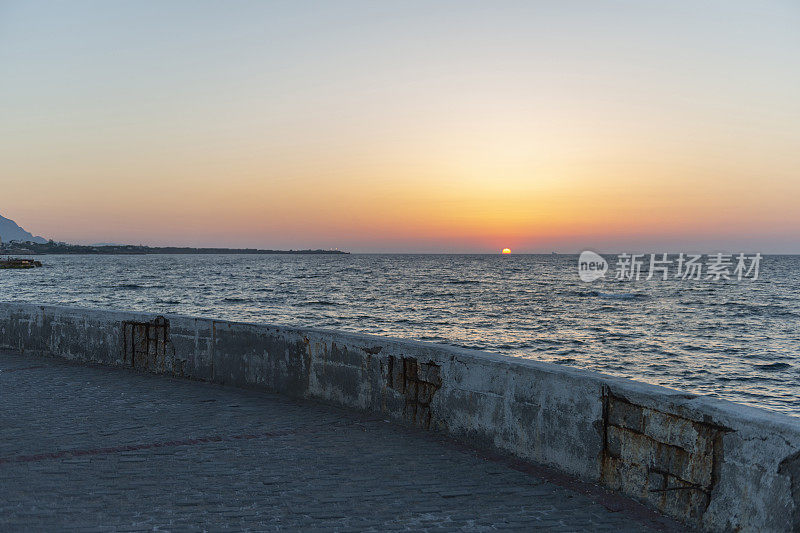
710	463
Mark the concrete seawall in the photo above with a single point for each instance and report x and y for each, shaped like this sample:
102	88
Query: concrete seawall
710	463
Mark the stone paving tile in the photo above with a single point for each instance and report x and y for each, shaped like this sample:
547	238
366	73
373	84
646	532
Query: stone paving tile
98	449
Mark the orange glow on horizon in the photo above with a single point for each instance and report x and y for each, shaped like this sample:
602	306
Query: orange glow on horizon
506	250
437	145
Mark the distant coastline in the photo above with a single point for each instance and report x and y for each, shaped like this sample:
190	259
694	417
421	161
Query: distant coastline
59	248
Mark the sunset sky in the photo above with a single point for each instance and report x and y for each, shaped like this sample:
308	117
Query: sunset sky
447	126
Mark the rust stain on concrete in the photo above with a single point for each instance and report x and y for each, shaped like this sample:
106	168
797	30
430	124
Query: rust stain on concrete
147	346
418	383
667	460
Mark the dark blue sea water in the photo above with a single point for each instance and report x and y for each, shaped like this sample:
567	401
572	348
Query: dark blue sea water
737	340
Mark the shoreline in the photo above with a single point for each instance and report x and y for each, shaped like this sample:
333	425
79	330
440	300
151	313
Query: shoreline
167	250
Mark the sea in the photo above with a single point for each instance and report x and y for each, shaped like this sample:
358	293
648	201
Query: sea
732	339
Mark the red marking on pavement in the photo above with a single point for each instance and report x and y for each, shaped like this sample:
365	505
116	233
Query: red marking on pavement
6	371
152	445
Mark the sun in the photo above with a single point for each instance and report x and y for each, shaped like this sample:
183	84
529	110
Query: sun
506	251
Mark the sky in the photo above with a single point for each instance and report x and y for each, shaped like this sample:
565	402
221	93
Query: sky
448	126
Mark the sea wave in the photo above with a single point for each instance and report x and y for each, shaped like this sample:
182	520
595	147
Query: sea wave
704	338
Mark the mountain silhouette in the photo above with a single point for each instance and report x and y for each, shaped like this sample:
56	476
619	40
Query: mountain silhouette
11	231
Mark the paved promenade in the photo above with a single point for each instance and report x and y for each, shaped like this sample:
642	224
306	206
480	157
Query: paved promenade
106	449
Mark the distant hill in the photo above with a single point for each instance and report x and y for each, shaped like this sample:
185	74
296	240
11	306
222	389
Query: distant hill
11	231
127	249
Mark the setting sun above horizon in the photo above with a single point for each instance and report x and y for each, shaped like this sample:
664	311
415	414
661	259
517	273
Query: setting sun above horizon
506	251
